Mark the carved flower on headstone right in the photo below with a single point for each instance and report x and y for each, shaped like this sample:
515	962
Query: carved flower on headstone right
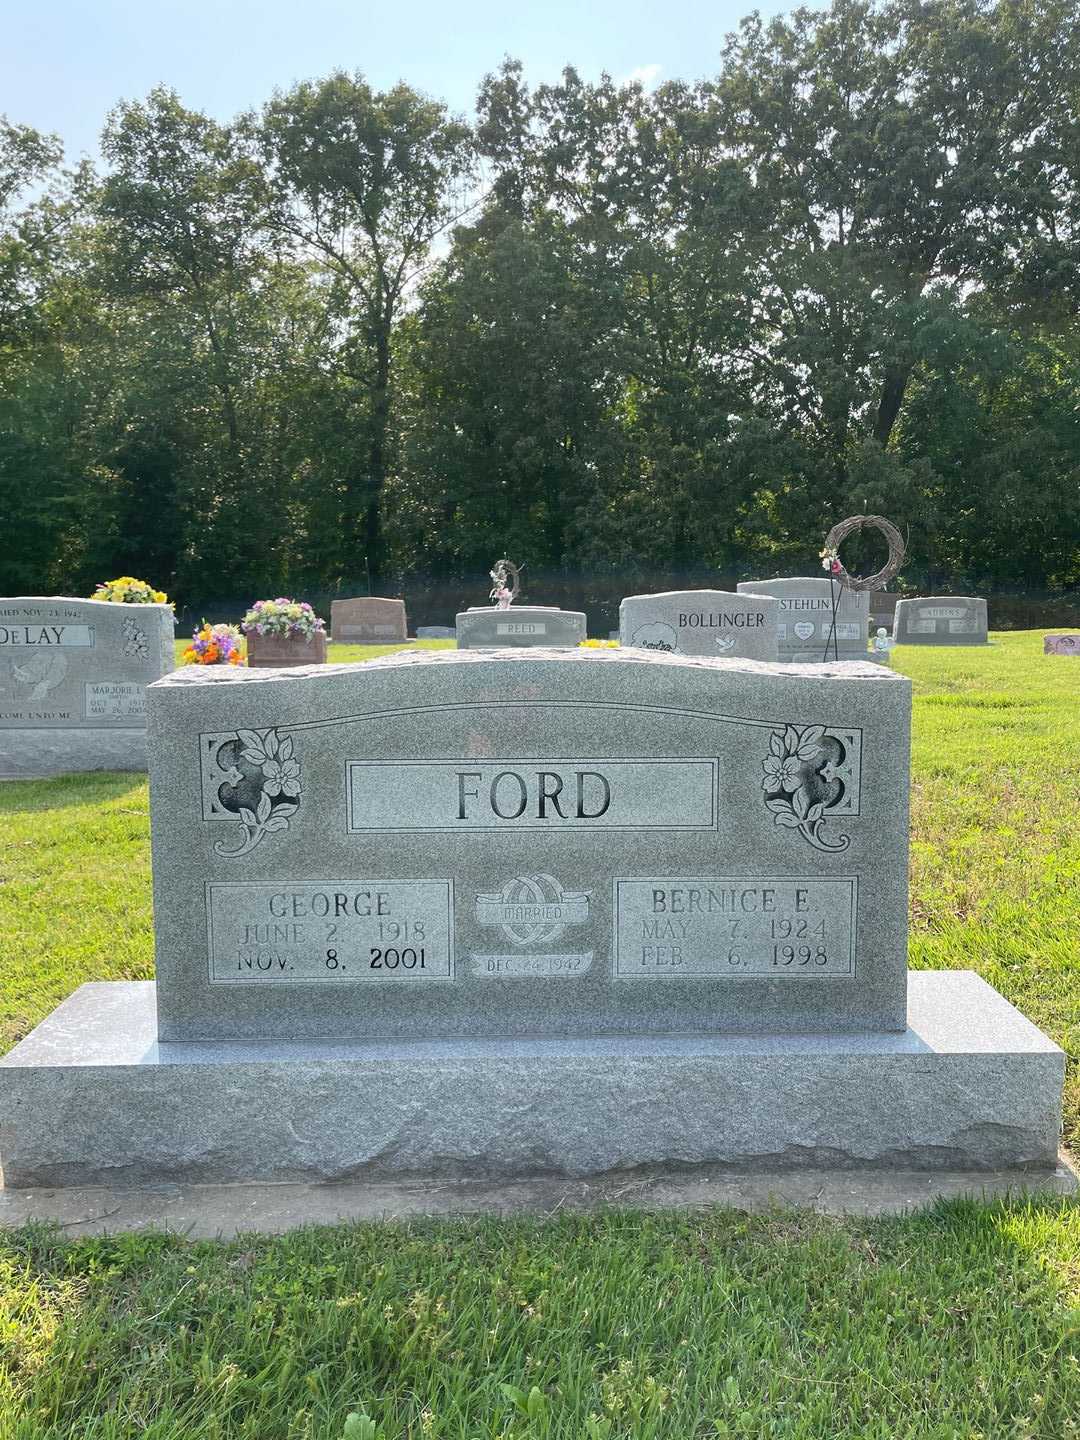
782	772
795	770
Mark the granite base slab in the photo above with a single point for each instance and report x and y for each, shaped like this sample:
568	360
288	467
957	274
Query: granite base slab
35	754
91	1097
208	1212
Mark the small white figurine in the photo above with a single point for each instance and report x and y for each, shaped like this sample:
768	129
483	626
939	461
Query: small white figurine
882	641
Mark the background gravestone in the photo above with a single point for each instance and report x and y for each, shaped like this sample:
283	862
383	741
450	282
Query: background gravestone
805	621
519	627
73	678
368	620
285	652
941	620
701	622
1061	645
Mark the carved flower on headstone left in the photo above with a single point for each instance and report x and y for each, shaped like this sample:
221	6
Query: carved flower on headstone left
278	780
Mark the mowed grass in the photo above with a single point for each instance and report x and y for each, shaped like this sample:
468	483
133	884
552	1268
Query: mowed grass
953	1324
959	1323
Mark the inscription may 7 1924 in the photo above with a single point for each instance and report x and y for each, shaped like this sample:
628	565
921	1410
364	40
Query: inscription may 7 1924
544	842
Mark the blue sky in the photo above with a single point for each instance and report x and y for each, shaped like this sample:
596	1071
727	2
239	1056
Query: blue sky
65	63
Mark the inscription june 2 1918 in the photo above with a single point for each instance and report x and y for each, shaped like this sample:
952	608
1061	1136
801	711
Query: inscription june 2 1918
732	927
378	931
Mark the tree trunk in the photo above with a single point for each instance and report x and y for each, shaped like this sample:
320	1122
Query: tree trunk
893	388
377	455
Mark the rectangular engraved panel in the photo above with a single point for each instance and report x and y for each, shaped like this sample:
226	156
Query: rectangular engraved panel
470	795
732	927
113	699
380	932
519	627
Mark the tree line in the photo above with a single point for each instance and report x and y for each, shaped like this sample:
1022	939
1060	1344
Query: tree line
348	336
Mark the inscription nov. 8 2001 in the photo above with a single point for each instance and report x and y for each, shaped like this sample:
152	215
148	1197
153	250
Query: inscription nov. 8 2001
366	931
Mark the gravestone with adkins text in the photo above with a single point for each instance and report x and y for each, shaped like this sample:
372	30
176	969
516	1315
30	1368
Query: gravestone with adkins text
73	678
940	620
701	622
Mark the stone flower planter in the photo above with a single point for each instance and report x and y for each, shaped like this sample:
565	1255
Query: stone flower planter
279	652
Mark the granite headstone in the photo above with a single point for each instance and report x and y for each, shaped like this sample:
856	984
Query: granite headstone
591	842
701	622
1061	645
941	620
496	914
368	620
815	612
520	627
73	678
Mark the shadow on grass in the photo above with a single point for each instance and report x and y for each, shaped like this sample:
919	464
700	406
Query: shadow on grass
60	791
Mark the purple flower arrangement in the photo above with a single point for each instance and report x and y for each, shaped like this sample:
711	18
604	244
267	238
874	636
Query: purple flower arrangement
282	617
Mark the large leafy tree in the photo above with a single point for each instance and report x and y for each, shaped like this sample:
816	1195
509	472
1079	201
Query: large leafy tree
360	183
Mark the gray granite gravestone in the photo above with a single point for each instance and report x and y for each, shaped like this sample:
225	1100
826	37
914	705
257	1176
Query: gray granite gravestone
806	623
1061	644
499	914
368	620
521	627
940	620
435	632
701	622
73	678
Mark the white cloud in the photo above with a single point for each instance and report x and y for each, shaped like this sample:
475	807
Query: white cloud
645	76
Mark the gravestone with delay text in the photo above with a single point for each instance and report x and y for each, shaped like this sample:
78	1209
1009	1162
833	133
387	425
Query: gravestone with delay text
73	678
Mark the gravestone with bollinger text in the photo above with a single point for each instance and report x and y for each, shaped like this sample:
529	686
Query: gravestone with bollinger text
701	622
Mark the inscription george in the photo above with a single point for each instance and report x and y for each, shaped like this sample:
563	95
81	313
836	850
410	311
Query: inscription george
444	795
380	932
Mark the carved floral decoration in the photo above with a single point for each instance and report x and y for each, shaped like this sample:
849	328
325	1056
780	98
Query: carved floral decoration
135	640
262	785
802	783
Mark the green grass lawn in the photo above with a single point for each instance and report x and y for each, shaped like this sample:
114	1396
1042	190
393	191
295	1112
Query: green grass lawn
959	1323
